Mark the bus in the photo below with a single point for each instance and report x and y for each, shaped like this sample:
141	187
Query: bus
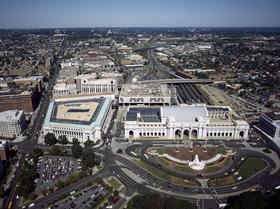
133	153
222	205
277	187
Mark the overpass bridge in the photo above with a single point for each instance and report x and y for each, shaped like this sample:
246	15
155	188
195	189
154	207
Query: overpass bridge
180	80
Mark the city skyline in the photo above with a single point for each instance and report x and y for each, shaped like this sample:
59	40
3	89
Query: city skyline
124	13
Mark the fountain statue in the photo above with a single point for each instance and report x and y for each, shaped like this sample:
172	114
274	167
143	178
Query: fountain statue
196	164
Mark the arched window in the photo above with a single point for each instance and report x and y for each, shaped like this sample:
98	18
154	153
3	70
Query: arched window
178	134
130	133
186	134
194	133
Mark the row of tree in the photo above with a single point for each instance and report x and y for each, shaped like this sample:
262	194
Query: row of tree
255	200
86	154
50	139
156	201
28	174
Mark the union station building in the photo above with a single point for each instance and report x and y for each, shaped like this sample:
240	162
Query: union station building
184	122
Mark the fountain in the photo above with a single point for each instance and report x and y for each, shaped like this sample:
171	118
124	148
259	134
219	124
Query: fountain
196	164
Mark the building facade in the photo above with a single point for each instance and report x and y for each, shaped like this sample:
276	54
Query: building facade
89	85
27	101
81	118
186	122
12	123
147	94
64	90
269	123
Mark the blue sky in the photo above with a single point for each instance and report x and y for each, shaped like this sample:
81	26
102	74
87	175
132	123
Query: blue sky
130	13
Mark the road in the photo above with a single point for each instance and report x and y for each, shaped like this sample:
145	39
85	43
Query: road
28	145
201	196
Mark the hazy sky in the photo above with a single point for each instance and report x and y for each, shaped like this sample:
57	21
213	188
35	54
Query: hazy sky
109	13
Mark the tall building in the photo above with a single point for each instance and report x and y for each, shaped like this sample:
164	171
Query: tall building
269	123
12	123
21	97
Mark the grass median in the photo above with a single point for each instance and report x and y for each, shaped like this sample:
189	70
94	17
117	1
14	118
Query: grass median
163	175
248	168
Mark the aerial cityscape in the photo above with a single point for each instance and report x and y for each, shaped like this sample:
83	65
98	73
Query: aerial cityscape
140	104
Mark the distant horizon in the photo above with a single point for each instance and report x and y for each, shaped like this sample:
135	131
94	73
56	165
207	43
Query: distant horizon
134	13
77	27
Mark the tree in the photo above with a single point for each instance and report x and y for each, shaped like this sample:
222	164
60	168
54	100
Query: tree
246	200
75	141
156	201
55	150
77	150
88	157
2	192
202	75
116	193
63	140
60	184
26	179
110	199
89	143
37	152
50	139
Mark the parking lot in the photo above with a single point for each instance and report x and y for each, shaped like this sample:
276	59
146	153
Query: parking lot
86	198
54	168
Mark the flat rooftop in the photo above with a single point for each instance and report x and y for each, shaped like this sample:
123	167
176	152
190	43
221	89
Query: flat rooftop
186	113
273	115
80	112
10	115
145	90
145	114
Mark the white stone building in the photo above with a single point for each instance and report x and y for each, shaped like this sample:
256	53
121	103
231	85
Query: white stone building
86	84
12	123
183	123
83	118
64	90
147	94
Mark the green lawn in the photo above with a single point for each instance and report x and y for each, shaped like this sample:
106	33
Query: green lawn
251	166
215	167
161	174
114	183
226	180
